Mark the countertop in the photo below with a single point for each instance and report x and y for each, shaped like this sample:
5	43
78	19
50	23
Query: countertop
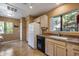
69	40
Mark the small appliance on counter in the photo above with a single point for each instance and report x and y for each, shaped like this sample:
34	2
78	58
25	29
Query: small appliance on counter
41	43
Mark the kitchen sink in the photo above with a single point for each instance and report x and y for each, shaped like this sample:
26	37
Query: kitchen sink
58	37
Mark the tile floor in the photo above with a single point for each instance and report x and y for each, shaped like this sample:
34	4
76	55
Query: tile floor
18	48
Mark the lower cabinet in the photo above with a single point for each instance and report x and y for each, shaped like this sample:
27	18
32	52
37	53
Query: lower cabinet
49	48
76	52
72	50
60	50
54	49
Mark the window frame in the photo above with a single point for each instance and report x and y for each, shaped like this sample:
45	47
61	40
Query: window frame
61	15
76	10
60	23
5	27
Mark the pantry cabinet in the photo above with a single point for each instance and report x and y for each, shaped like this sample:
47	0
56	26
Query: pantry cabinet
44	21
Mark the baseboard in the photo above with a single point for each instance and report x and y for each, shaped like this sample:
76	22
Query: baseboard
3	42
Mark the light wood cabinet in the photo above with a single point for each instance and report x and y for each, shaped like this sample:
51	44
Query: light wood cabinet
72	50
44	21
55	48
76	52
49	47
60	50
37	20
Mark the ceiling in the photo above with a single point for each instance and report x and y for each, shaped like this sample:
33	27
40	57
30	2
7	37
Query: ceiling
23	9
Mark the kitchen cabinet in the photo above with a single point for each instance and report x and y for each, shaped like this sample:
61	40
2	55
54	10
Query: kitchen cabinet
60	50
37	20
55	48
44	21
72	50
76	52
49	47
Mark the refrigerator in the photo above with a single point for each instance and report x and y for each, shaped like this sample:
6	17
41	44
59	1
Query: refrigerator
34	29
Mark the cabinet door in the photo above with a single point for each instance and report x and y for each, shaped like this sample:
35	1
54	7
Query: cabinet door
76	52
60	50
49	48
72	50
44	21
37	20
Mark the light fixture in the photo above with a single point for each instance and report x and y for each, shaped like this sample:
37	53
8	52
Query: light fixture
57	3
30	6
9	14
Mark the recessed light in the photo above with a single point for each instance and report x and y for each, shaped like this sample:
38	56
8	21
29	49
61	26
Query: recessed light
57	3
30	7
9	14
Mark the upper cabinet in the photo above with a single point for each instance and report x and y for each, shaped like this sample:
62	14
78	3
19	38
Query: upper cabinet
44	21
37	20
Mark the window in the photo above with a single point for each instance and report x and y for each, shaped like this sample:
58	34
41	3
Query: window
69	22
55	24
6	27
9	27
1	27
65	22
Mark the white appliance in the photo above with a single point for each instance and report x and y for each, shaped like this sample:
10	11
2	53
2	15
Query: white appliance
34	29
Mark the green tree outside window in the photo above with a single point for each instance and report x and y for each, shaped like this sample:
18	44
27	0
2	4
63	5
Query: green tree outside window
6	27
9	27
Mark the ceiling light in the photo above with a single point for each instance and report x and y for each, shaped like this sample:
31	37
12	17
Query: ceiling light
57	3
9	14
30	7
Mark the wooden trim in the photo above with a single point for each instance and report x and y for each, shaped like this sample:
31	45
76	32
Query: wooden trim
76	34
70	33
8	17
